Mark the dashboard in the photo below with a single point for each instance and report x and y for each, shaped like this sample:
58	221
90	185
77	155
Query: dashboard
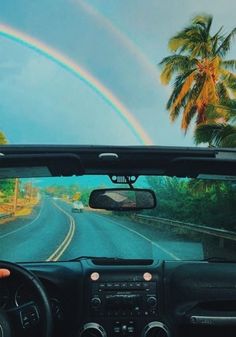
133	298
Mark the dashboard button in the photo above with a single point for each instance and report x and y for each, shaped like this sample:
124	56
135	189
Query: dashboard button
96	302
116	329
116	285
130	329
152	301
138	285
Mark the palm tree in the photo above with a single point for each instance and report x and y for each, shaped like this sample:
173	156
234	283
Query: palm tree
203	77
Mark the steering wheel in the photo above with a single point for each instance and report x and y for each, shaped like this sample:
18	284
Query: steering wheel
19	321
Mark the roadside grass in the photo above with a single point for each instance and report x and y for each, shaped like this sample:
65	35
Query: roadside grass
24	208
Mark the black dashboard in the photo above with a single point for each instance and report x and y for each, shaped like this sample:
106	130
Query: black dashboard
134	298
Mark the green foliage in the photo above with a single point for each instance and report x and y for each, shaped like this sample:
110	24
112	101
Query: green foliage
204	83
220	129
7	187
3	139
203	202
221	135
85	193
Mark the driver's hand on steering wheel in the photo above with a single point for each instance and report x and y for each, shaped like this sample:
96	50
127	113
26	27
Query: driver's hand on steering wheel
4	273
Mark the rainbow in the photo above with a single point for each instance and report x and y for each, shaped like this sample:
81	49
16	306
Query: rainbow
127	42
73	68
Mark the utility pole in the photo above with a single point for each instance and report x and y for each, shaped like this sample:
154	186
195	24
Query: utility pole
15	195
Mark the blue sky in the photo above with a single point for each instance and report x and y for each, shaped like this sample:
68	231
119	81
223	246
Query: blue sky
120	42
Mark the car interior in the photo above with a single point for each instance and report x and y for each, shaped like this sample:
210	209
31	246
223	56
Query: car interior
111	296
117	168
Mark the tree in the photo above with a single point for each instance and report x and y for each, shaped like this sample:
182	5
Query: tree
3	139
203	77
6	185
76	196
198	201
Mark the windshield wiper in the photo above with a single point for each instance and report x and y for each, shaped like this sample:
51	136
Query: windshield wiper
219	259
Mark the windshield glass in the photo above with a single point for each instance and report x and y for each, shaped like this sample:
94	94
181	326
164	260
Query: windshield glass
50	219
118	72
133	72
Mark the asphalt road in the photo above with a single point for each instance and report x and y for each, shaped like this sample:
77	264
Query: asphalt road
53	232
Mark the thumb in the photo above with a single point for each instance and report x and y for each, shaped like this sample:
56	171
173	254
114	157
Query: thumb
4	273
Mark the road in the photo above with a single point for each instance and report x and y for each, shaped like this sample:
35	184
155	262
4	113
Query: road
52	232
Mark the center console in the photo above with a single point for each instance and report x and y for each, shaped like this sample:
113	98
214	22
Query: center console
123	303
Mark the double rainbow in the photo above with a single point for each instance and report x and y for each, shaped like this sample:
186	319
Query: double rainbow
73	68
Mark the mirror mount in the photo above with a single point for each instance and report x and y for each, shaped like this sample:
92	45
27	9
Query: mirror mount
130	180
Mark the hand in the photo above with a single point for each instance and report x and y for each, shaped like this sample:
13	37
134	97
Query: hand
4	273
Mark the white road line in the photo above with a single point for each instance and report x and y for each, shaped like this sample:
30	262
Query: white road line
19	229
67	240
144	237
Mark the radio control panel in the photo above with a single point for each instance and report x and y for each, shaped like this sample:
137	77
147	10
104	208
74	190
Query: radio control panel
123	299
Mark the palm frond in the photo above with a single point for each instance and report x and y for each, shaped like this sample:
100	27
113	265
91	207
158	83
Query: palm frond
188	114
216	112
222	91
216	134
175	64
174	113
176	93
227	108
226	44
175	43
203	20
185	88
187	39
229	79
216	40
229	64
230	104
229	140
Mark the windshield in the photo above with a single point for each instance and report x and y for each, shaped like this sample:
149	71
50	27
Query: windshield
49	219
118	72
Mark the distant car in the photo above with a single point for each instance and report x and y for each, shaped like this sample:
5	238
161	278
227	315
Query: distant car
78	207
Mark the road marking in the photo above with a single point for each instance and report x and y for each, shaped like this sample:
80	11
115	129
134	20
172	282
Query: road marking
65	243
19	229
144	237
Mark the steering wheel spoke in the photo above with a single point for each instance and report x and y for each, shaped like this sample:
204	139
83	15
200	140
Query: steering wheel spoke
25	316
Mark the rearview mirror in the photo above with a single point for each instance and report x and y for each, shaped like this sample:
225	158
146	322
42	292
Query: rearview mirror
126	199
